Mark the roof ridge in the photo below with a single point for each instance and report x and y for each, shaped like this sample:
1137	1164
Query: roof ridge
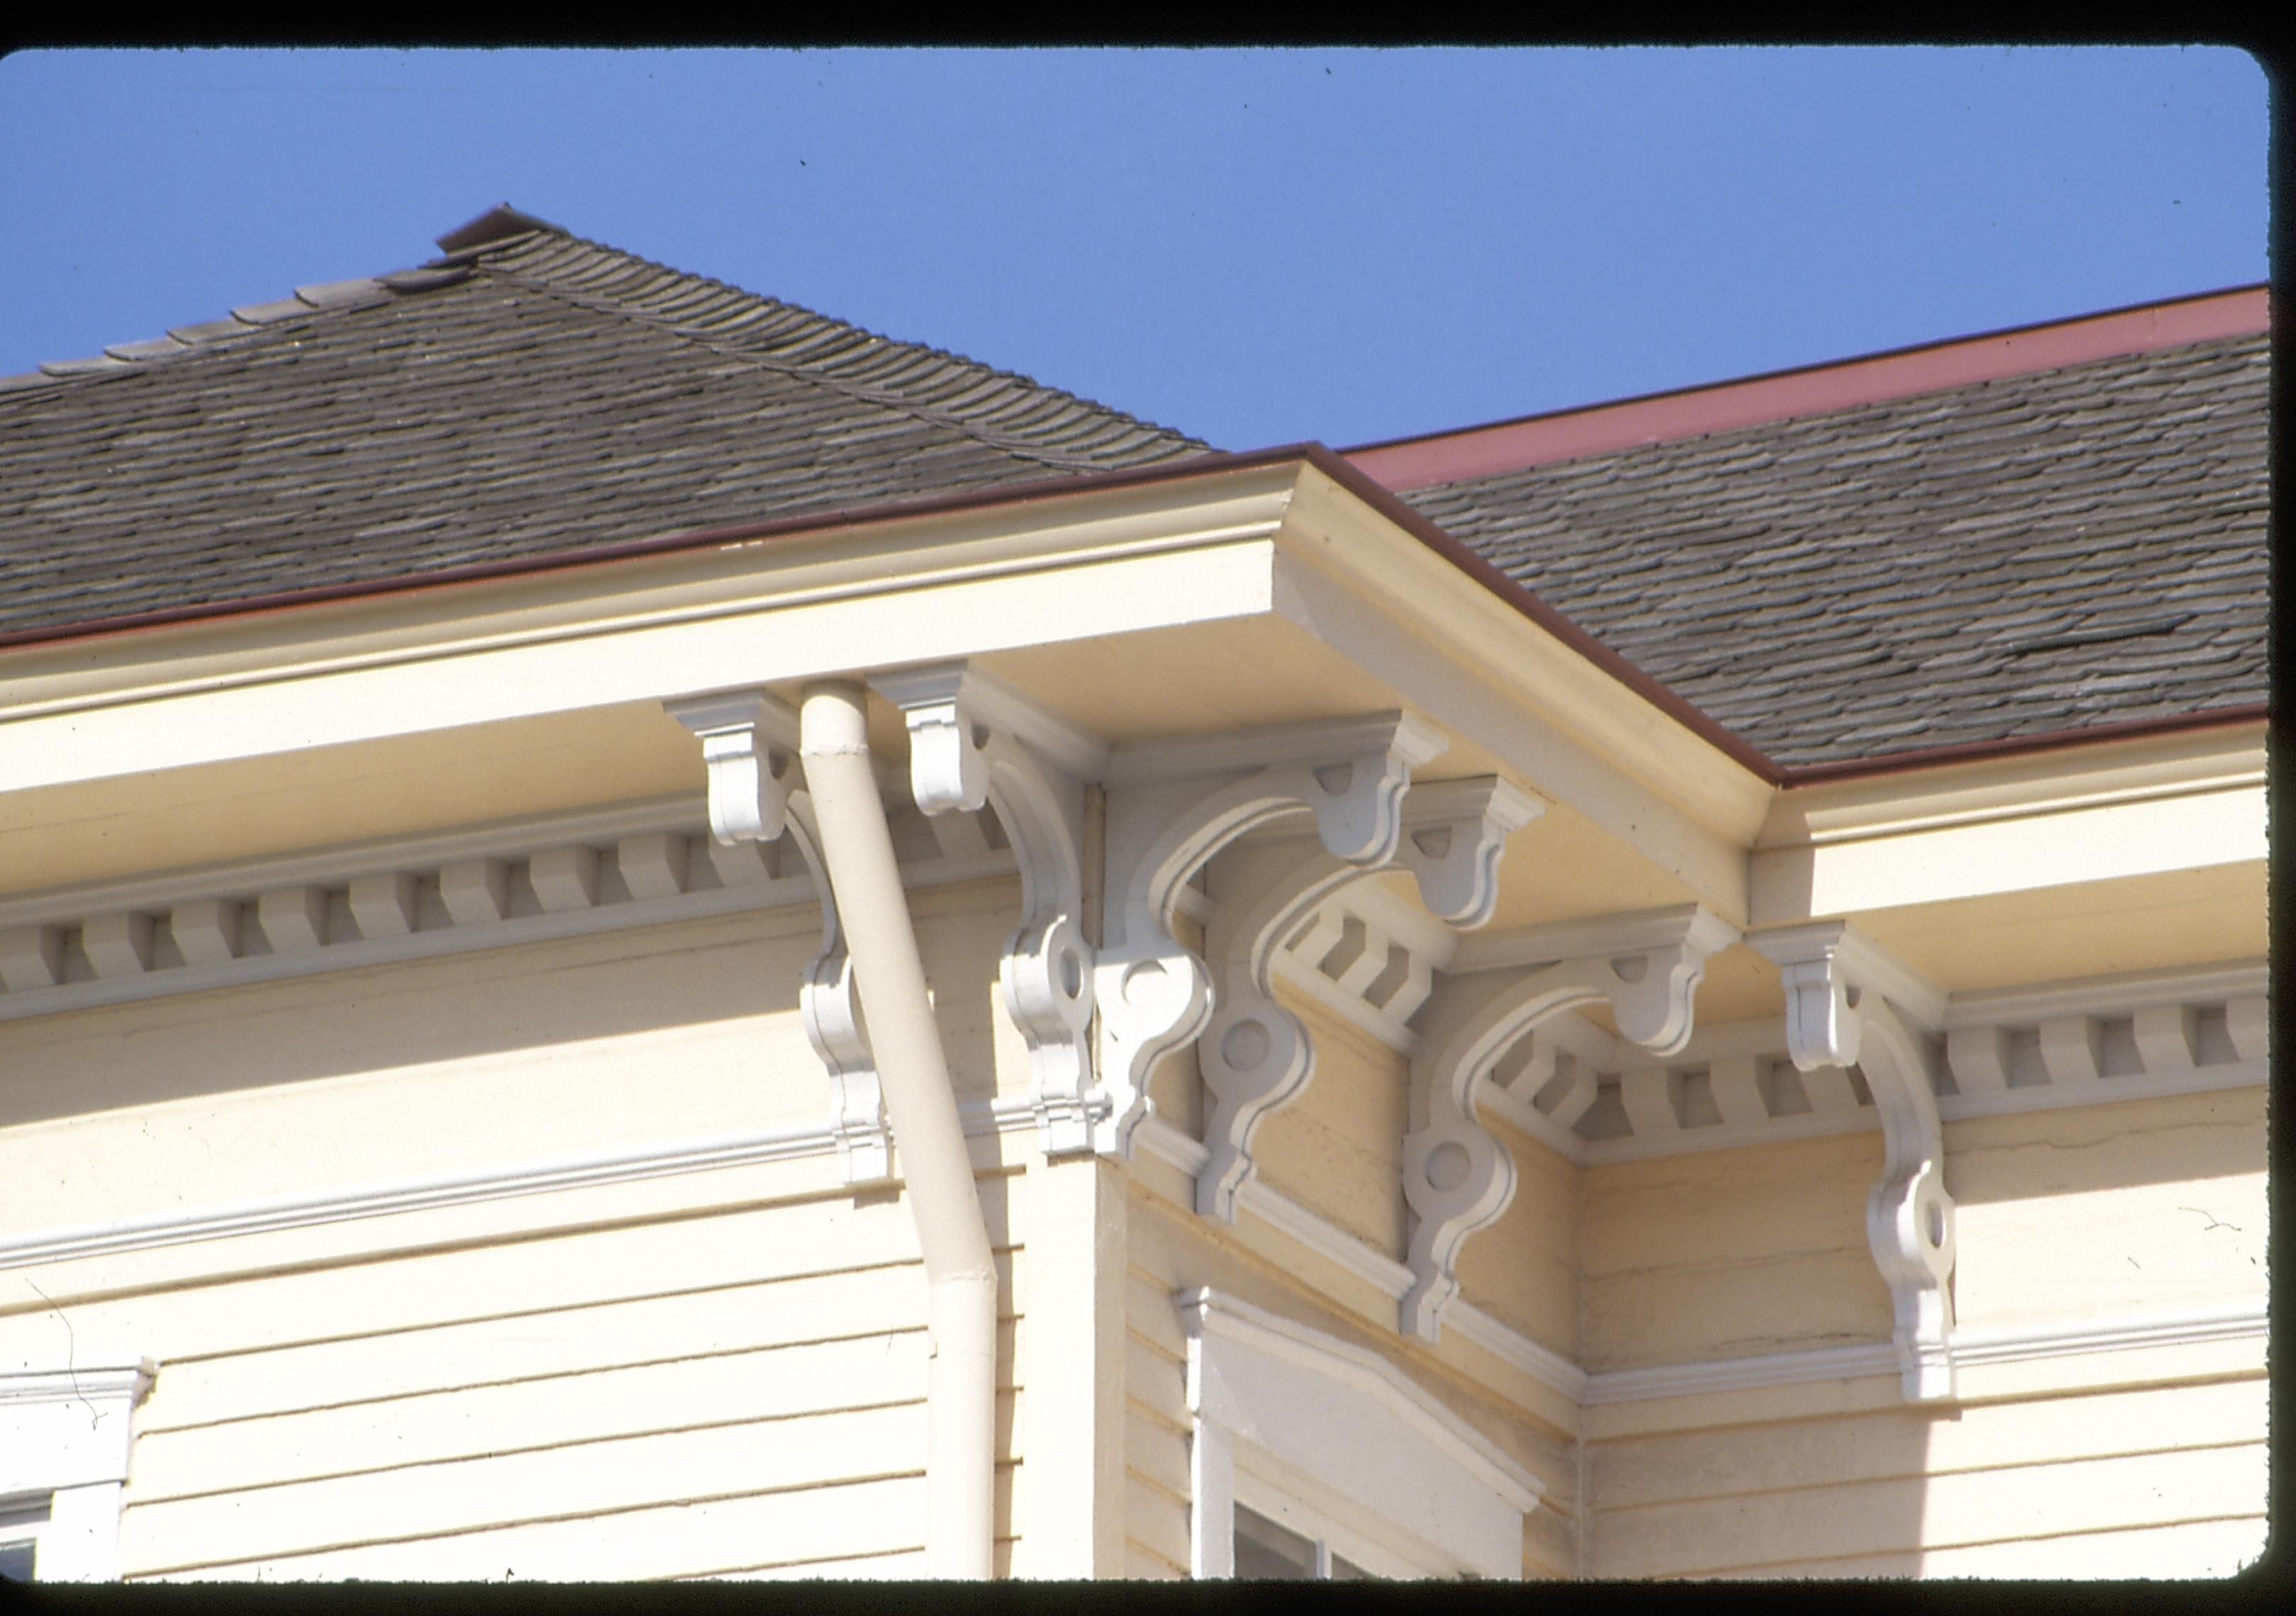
715	315
1609	426
247	320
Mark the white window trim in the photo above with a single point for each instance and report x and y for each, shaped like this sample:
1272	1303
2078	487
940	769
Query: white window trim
1285	1415
64	1440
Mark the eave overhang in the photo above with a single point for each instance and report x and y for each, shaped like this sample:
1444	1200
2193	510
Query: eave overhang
1296	535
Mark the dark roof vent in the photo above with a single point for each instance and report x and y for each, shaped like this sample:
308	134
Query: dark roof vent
499	225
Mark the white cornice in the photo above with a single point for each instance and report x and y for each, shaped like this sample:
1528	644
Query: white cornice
41	973
823	566
2110	995
1731	1085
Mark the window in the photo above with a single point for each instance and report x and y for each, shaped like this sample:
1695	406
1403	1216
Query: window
21	1520
64	1435
1315	1459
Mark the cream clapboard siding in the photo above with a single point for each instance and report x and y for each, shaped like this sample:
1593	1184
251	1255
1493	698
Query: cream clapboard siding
2145	1205
1524	1269
1726	1254
1338	1148
704	1374
1994	1489
1171	1251
2132	1463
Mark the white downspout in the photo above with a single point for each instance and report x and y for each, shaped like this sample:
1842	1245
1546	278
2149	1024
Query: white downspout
856	847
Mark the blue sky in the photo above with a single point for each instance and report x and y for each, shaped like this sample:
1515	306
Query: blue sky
1259	246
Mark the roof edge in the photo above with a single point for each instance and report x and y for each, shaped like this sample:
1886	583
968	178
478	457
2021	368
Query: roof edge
2013	746
1431	459
1351	477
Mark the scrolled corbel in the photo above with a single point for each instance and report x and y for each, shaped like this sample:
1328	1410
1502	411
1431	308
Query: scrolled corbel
1257	1056
1458	1179
757	793
1170	808
974	740
1848	1001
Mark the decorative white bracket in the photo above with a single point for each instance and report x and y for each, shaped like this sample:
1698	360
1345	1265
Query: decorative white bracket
749	745
1456	1178
1172	807
1846	1002
972	739
1257	1056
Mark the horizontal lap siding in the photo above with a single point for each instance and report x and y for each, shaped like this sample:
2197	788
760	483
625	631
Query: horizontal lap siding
1338	1148
1726	1254
2148	1204
360	1455
1157	1496
1524	1270
1909	1491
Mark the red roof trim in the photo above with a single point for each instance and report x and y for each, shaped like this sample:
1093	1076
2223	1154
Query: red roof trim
1603	429
2015	746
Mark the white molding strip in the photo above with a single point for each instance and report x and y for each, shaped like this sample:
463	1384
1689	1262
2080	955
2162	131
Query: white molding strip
383	902
1000	1116
2233	1321
1504	1342
80	1382
1741	1374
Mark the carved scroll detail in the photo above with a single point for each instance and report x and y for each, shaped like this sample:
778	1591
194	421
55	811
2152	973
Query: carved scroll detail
1847	1001
1458	1179
1169	810
748	747
1256	1057
973	741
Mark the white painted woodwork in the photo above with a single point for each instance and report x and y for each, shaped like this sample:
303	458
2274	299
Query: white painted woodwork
66	1430
1255	1055
1271	1396
749	751
1457	1178
30	957
1847	1000
2072	1049
384	906
2249	1022
476	892
564	878
2152	835
654	864
1979	1057
974	742
207	930
117	944
294	919
1171	807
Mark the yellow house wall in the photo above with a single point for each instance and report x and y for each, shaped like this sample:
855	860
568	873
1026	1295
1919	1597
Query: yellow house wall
700	1373
2141	1462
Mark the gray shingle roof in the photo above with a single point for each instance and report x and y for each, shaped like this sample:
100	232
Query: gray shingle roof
531	394
2050	552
